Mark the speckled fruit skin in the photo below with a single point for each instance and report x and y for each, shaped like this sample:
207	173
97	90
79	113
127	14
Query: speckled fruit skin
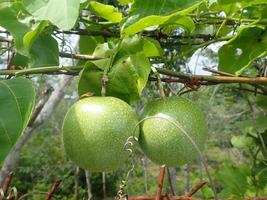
95	130
164	143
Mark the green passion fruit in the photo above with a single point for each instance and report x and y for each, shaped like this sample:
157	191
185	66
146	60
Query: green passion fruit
162	136
95	131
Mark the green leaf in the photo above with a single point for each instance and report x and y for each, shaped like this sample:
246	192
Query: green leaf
9	21
127	78
261	101
146	13
152	48
128	71
107	12
136	43
254	126
157	7
233	180
49	54
31	36
125	2
17	98
61	13
237	54
242	141
87	44
19	60
90	80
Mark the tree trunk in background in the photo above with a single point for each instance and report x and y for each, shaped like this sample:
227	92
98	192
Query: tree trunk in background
186	179
88	183
144	162
46	111
76	183
172	174
104	185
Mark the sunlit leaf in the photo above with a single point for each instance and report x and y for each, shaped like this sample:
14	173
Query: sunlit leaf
237	54
9	21
31	36
125	2
17	98
107	12
147	13
49	54
62	13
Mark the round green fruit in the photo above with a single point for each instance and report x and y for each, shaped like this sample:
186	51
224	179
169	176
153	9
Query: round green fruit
95	130
165	143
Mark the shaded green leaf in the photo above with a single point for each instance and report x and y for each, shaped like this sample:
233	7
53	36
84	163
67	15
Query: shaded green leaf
17	98
61	13
107	12
31	36
125	2
49	54
242	141
127	78
90	80
237	54
147	13
9	21
233	180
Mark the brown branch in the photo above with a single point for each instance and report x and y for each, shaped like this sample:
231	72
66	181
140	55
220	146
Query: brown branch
160	182
196	188
217	72
214	79
53	190
6	184
163	197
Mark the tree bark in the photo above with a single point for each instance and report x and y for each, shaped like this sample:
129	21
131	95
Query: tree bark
50	105
76	183
186	178
88	183
172	174
104	185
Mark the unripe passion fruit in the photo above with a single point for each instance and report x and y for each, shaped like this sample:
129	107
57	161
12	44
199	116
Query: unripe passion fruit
165	143
95	130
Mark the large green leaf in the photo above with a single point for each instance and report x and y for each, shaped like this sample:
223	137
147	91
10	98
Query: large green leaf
17	98
237	54
234	181
49	54
31	36
131	45
128	71
107	12
62	13
126	79
158	7
146	13
9	21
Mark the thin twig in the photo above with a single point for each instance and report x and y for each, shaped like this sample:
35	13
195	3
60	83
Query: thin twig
53	190
196	187
217	72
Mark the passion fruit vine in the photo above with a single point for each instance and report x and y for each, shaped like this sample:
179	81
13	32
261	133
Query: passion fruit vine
163	131
95	131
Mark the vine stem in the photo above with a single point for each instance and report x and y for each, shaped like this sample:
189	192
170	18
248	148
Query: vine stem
181	77
159	82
